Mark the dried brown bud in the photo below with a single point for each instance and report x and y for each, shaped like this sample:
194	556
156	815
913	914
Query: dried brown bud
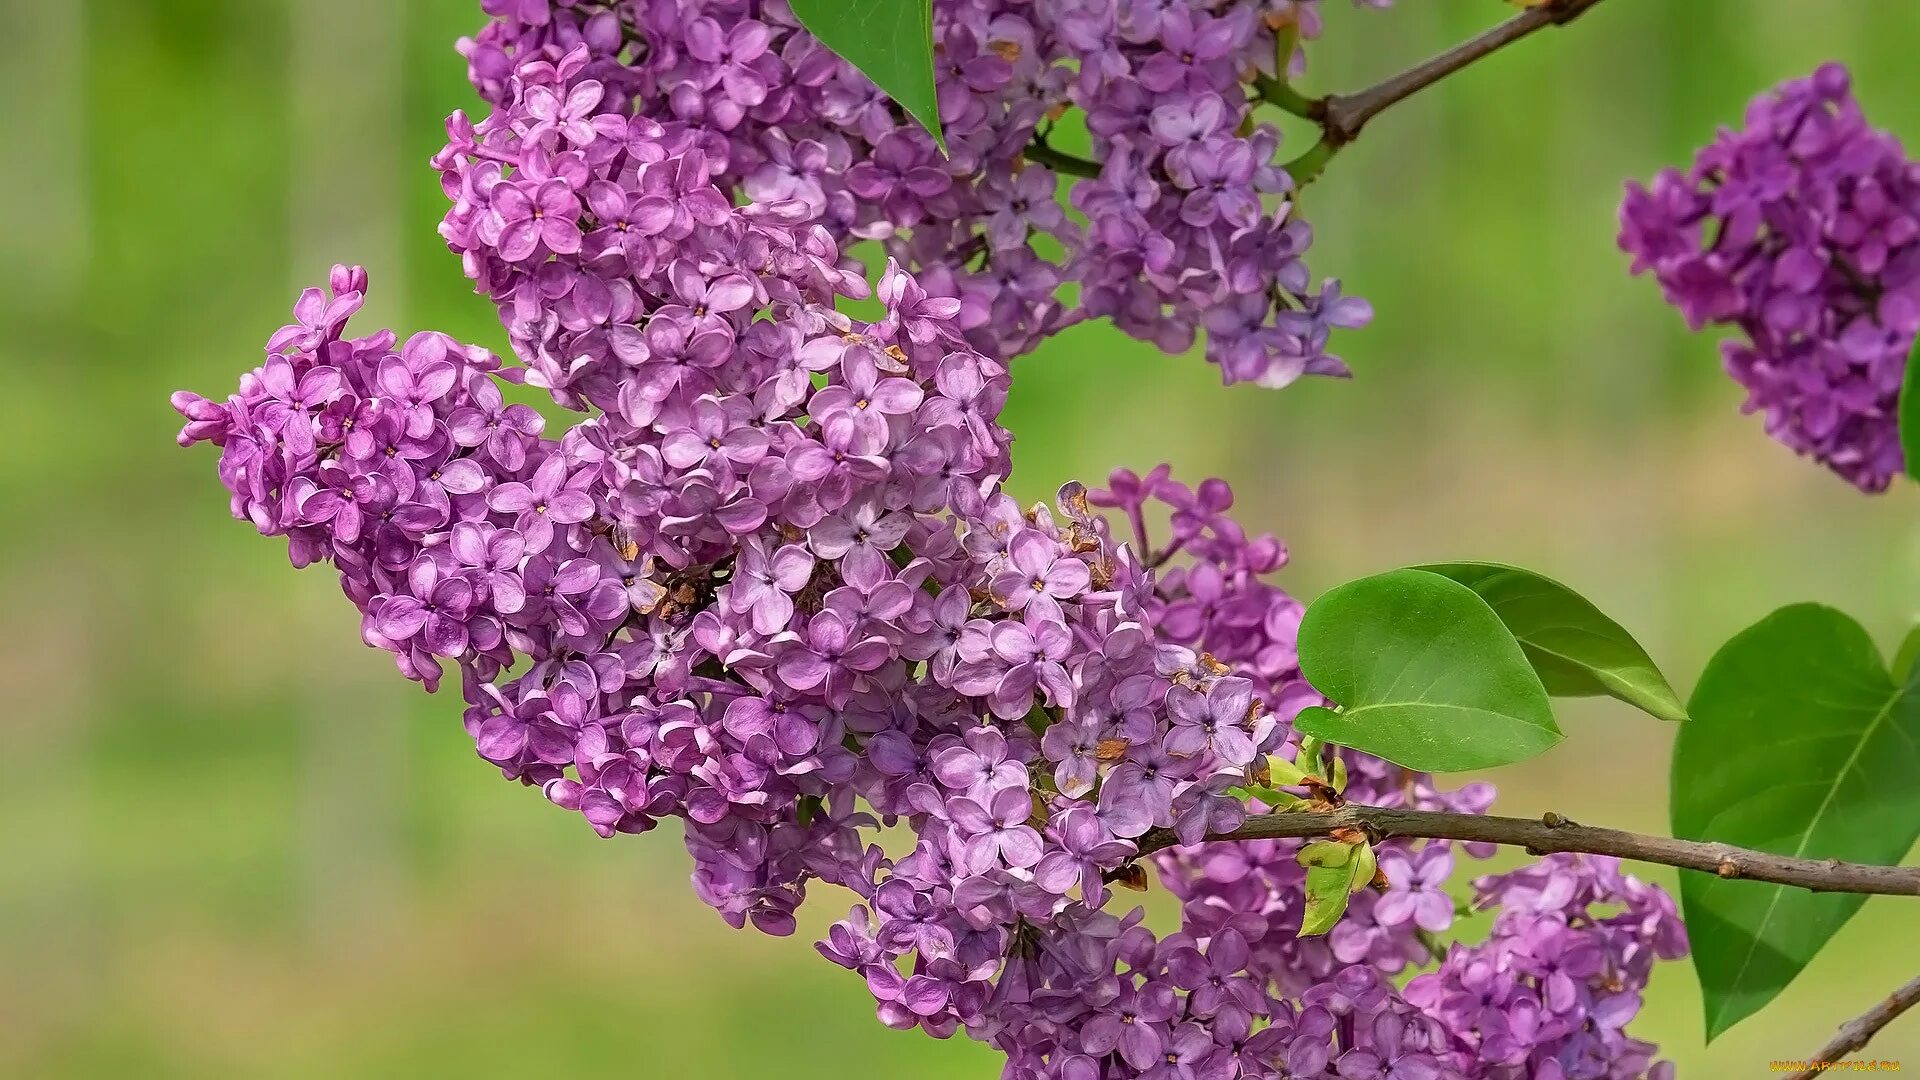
1110	751
1208	661
1321	792
1005	50
1073	498
1131	876
623	542
1102	574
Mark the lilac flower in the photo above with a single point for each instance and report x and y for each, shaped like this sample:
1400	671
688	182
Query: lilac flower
1221	720
504	430
338	499
863	533
546	500
569	117
525	219
416	379
997	833
1084	848
538	726
492	556
1039	572
1415	889
829	653
571	595
900	176
1014	662
764	583
1135	1026
719	433
437	607
980	767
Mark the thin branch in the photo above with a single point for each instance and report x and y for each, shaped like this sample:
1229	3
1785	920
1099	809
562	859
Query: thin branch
1307	168
1341	116
1041	154
1553	833
1857	1032
1279	93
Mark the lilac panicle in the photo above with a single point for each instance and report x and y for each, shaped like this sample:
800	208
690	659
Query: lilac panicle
770	584
1802	230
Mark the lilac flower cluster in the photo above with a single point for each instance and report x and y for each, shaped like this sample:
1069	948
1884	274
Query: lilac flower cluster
771	586
402	466
1030	696
1802	229
1551	990
1188	219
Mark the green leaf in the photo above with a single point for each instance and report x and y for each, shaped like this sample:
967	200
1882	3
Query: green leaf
1910	413
1800	744
1365	865
1325	853
1327	890
1909	652
1425	673
1574	647
1279	800
889	41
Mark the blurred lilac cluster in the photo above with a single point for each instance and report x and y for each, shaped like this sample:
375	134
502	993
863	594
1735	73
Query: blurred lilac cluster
1802	229
771	586
1188	223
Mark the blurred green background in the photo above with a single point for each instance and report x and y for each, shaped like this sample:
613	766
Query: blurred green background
235	843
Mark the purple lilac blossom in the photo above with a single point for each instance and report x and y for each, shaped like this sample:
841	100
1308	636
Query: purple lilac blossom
1187	226
771	585
783	732
1802	230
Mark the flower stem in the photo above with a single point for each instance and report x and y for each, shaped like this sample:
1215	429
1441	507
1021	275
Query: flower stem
1278	93
1307	168
1041	154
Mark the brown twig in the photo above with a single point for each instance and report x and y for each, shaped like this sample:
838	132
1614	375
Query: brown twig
1553	833
1857	1032
1341	116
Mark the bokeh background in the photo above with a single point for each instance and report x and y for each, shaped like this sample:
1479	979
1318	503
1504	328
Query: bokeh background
234	843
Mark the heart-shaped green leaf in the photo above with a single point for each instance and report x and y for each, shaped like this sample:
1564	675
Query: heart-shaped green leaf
1801	744
1574	647
889	41
1425	673
1910	413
